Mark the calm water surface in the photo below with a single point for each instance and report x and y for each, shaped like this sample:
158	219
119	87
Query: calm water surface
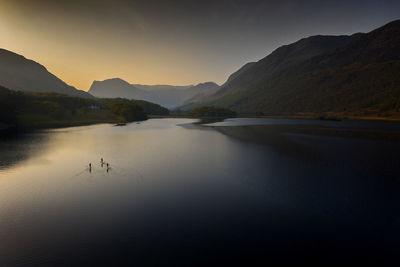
184	194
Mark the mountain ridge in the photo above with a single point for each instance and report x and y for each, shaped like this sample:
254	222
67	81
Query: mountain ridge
348	74
165	95
22	74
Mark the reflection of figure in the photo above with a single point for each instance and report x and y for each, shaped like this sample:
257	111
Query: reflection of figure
108	167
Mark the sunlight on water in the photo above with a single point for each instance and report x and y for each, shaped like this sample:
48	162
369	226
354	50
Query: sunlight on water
171	180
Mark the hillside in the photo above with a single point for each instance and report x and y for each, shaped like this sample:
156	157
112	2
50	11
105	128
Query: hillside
166	95
159	87
198	98
113	88
27	110
21	74
357	75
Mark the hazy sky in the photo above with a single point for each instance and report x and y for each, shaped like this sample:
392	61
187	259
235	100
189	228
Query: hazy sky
171	42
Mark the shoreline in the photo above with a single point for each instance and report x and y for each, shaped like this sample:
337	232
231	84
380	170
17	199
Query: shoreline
10	129
7	129
300	117
309	117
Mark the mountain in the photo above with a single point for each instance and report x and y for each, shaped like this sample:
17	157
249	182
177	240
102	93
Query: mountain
357	74
239	72
161	87
173	96
199	98
21	74
166	95
113	88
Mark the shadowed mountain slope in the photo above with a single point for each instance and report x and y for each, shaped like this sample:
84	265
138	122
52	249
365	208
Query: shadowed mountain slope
356	74
21	74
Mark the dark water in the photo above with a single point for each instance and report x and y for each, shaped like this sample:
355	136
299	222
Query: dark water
189	195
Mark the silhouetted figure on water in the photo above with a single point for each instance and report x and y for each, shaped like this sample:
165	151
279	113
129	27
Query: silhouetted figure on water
102	163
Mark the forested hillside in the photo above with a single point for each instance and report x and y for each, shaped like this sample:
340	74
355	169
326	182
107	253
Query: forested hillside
351	75
41	110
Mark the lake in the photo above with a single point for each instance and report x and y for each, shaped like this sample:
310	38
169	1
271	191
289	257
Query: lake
239	192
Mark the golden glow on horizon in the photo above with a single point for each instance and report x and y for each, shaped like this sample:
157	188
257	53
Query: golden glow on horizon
169	42
79	51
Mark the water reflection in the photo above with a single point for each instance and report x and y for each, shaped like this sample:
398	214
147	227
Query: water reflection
19	147
195	195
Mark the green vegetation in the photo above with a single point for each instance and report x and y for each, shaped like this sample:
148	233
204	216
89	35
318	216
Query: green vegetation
151	108
127	110
45	110
210	111
337	76
179	112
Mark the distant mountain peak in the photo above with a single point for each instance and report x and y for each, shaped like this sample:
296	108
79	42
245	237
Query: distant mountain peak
113	81
208	83
116	80
165	95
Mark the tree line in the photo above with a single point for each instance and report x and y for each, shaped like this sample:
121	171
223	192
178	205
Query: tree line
25	109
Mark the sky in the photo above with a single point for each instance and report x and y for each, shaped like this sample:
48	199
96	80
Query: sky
176	42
